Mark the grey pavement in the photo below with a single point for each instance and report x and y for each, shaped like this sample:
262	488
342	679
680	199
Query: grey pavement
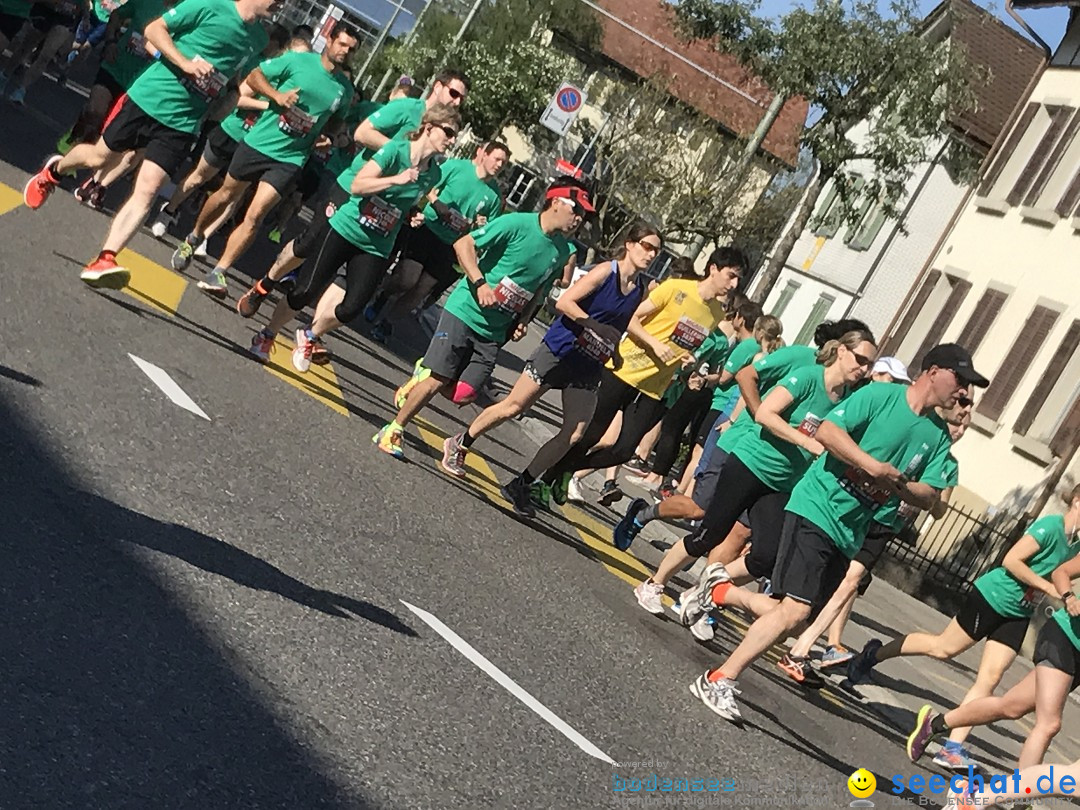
211	613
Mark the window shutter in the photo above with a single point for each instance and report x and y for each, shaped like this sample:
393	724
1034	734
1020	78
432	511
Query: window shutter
1064	439
1049	378
1070	198
1058	117
957	294
982	319
1017	362
1054	160
817	315
917	303
823	224
786	295
869	229
1008	149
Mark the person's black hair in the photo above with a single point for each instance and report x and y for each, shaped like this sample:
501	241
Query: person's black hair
750	311
447	76
279	35
682	267
834	330
305	32
495	146
342	27
729	256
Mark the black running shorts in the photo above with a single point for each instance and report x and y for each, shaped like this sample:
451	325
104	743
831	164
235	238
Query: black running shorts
569	371
809	566
308	242
457	353
250	165
1054	649
979	621
434	255
877	538
219	149
132	128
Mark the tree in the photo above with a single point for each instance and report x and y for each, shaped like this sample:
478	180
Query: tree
853	64
513	73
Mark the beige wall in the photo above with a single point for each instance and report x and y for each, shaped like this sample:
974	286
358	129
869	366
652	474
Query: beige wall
1036	261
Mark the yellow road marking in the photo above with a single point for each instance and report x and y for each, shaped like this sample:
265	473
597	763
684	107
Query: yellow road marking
320	382
10	199
154	285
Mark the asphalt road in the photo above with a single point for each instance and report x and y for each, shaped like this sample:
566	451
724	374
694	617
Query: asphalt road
212	612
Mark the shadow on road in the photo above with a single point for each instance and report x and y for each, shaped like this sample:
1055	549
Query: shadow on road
112	695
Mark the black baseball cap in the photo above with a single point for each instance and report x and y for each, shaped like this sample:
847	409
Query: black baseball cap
956	358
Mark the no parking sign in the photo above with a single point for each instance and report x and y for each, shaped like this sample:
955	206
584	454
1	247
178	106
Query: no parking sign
563	109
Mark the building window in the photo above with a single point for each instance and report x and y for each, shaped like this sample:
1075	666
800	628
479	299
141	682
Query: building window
1057	117
958	290
520	185
1017	362
1047	410
1021	141
862	236
986	311
817	315
786	295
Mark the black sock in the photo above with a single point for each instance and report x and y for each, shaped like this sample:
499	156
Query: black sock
938	725
525	477
265	285
467	439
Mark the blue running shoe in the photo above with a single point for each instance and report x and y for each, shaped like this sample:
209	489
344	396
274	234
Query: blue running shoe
629	527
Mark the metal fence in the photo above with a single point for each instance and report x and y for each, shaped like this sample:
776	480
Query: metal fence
953	551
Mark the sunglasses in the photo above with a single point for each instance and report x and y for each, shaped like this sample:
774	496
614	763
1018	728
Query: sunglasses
863	360
964	401
650	247
448	130
455	94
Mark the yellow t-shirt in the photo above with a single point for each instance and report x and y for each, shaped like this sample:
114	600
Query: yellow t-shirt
682	321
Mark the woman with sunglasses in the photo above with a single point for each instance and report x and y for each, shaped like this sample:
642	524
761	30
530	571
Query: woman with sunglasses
361	234
999	609
765	466
595	311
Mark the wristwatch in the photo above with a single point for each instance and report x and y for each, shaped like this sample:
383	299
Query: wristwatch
476	284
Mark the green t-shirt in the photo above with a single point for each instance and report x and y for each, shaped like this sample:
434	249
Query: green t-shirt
213	31
517	259
770	369
1069	625
103	9
239	123
713	352
17	8
132	57
842	500
288	136
468	197
741	356
1010	597
777	463
397	117
372	223
342	157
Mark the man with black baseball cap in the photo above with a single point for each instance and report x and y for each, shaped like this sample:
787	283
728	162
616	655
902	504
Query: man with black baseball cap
901	454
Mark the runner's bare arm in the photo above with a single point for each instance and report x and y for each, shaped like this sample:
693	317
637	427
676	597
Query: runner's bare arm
588	284
368	137
1062	579
157	34
370	179
1015	563
771	417
838	442
258	82
465	249
248	99
636	330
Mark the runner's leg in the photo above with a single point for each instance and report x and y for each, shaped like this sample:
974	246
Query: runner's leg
996	658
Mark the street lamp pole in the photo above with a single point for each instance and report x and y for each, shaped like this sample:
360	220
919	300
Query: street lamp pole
399	6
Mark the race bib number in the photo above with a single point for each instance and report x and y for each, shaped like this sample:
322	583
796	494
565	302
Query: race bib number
688	335
907	512
380	216
457	223
295	122
1031	598
863	488
593	346
249	120
210	86
511	296
809	425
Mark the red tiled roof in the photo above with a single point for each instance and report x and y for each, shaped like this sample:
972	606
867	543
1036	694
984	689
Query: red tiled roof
1012	60
731	110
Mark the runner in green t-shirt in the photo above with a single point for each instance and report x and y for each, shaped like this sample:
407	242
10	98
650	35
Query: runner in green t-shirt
203	43
306	92
884	442
467	196
1056	657
449	89
361	233
766	465
221	144
509	265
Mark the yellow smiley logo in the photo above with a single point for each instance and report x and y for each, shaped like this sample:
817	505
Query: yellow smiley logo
862	784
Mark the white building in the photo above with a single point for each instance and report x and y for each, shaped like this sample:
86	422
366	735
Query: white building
864	270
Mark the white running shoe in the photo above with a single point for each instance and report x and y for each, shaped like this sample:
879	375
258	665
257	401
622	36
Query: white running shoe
648	595
573	491
718	696
301	356
697	601
703	629
162	222
200	251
